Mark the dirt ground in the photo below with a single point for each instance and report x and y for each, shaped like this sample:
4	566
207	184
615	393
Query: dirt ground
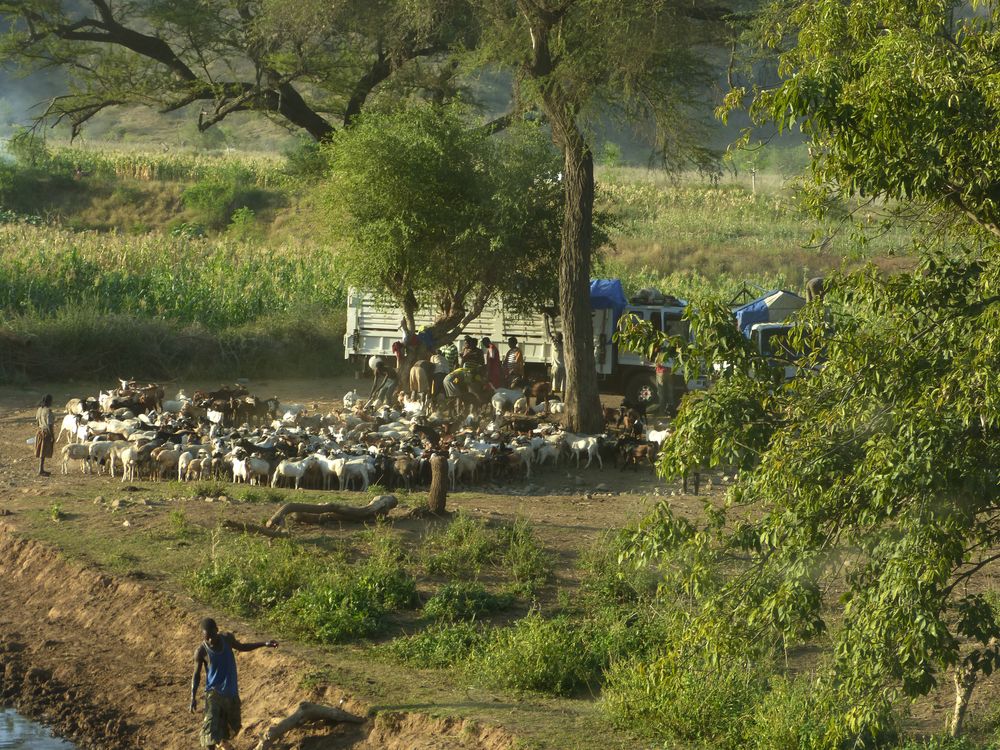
97	640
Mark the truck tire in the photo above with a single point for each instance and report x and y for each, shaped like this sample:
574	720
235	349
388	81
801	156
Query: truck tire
641	390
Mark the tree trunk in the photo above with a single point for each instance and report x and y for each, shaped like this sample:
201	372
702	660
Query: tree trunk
583	401
965	681
306	712
377	508
438	495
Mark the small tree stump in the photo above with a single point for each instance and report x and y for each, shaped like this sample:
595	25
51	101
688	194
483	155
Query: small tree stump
438	495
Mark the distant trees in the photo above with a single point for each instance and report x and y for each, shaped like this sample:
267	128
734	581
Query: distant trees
432	211
308	64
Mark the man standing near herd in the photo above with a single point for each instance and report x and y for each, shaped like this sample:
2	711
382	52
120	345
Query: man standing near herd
216	653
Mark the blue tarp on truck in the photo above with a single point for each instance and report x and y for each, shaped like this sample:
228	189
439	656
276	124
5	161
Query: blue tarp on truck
607	294
773	307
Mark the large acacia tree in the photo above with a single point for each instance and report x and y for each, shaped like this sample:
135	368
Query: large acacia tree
646	60
430	211
868	498
310	65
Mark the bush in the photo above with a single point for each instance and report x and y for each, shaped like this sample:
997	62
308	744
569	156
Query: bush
523	557
461	549
607	582
463	601
545	656
326	600
688	695
796	714
252	577
439	646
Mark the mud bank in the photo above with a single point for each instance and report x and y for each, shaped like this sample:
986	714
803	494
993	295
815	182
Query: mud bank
106	663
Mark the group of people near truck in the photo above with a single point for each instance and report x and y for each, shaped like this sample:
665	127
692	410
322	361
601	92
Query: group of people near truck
469	374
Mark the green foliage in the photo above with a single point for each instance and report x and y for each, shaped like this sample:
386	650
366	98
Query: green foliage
439	646
430	209
329	601
606	581
797	714
550	656
56	512
218	284
911	78
688	693
523	557
463	601
461	549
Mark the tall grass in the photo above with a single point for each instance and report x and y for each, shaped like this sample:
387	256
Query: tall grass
686	235
263	170
215	283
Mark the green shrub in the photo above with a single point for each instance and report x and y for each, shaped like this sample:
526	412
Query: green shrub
688	695
523	557
796	714
322	597
546	656
439	646
252	576
463	601
606	581
342	607
461	549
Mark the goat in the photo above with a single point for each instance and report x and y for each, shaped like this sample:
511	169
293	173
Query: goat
76	452
291	470
590	445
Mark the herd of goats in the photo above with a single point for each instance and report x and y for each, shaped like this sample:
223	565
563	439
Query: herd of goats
229	434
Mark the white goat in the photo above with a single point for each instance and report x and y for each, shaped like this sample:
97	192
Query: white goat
76	452
289	469
589	444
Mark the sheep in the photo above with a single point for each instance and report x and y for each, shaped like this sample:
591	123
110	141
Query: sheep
196	467
658	436
356	468
130	458
76	452
328	468
166	461
549	451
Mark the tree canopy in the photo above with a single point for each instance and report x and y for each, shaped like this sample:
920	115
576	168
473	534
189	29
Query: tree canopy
433	211
310	65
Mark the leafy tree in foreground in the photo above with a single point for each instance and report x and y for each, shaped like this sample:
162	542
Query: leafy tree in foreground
867	502
433	211
309	64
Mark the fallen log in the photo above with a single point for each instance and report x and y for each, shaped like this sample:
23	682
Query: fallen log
306	712
253	528
379	507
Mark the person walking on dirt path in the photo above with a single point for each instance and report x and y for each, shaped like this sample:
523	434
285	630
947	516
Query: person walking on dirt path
222	695
44	438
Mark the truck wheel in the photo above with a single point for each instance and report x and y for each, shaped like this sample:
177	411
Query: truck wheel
641	390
